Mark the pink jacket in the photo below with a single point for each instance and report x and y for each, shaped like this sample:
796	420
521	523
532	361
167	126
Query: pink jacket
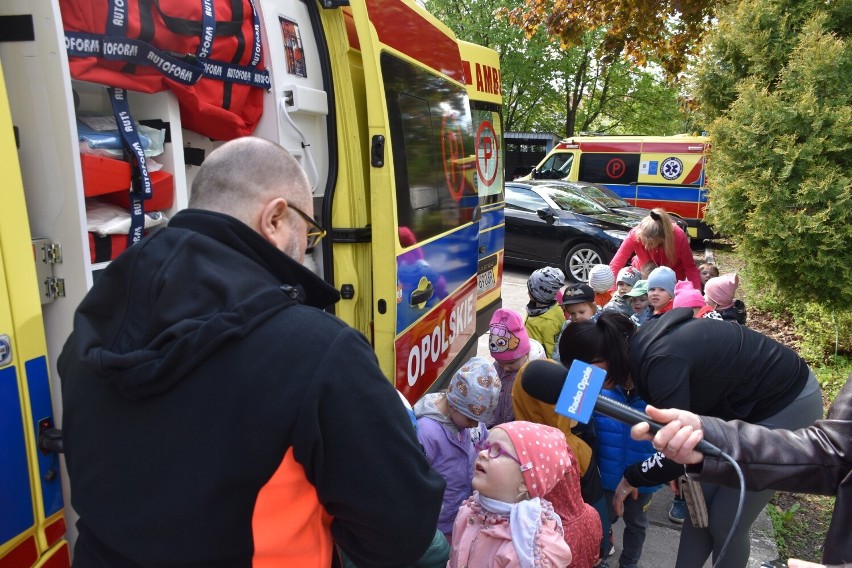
683	266
483	540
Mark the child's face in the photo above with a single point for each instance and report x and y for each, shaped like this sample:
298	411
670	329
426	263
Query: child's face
623	288
659	297
579	312
639	303
706	274
512	366
460	420
498	478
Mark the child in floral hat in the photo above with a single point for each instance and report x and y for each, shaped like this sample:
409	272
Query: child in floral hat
508	521
449	423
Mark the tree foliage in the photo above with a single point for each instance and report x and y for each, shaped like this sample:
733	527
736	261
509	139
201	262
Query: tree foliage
779	171
548	87
667	30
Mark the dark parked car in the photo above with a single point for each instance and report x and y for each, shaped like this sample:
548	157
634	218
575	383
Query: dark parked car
553	223
611	200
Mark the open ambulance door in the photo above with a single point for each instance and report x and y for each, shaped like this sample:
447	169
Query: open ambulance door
32	530
424	210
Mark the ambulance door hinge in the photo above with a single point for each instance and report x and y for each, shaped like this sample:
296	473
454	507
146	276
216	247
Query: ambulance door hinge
51	253
54	288
46	255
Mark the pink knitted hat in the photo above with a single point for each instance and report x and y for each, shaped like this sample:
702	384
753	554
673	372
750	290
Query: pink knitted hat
543	453
686	296
508	339
722	289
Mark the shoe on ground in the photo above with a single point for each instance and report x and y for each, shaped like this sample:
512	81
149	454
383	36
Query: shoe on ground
677	513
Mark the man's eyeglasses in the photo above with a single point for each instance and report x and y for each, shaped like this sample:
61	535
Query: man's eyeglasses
315	232
495	450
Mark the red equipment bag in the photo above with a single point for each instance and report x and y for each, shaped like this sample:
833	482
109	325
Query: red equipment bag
208	52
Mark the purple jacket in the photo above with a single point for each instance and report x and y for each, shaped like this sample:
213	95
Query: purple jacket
453	458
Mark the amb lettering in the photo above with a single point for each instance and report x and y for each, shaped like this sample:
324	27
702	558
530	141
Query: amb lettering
436	343
581	391
487	79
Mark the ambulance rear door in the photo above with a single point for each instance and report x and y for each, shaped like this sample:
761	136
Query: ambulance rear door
424	209
32	522
482	74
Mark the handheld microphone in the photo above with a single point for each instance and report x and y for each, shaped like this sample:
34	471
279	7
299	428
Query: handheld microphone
576	393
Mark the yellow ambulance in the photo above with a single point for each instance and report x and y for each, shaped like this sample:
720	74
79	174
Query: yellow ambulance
398	126
647	171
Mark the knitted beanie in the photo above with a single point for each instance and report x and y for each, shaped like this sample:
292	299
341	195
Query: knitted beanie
686	296
508	339
662	277
543	454
475	389
721	290
544	283
601	278
628	275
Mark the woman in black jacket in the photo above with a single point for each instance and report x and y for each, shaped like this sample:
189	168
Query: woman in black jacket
710	367
816	459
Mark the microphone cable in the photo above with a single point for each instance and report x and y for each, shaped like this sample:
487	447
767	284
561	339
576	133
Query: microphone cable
739	512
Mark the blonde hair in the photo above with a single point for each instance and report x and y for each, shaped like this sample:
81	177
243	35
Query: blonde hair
657	228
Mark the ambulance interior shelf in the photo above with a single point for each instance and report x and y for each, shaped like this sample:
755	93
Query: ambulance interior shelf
106	177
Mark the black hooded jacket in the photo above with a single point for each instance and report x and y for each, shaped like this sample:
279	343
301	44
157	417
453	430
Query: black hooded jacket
199	359
710	367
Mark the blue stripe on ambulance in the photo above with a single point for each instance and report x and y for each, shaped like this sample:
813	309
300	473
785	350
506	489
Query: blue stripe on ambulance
660	192
15	489
39	389
489	239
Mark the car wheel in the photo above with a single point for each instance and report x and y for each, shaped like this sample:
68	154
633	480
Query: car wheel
579	260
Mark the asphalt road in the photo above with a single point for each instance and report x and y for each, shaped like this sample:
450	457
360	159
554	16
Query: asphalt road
661	541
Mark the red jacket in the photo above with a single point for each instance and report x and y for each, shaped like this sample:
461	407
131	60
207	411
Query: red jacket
683	265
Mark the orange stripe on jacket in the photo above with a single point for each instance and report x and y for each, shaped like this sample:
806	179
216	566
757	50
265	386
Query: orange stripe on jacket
290	526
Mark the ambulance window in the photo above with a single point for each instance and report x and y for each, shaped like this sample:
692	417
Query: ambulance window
609	168
432	149
557	166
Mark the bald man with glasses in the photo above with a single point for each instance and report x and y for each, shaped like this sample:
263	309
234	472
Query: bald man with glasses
215	415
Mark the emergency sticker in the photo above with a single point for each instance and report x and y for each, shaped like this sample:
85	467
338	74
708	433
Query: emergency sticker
671	168
5	350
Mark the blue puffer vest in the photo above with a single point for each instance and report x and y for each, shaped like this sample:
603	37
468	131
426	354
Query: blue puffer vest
616	449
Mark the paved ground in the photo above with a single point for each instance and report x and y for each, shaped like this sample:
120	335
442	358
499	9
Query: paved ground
662	537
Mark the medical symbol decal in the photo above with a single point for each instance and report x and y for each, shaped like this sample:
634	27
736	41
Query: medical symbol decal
671	168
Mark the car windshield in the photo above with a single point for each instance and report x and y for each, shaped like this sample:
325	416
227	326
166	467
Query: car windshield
572	201
604	196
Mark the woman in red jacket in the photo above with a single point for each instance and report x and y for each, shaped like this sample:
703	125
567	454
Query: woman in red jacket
658	238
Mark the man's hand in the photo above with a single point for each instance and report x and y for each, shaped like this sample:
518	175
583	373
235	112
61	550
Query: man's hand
677	439
623	491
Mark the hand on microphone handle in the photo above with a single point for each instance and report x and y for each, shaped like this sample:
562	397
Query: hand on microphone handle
678	437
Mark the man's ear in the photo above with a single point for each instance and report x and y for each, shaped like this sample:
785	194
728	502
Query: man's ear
272	224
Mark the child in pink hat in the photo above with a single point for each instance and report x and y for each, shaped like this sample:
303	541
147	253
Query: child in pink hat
720	294
511	347
686	296
507	520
